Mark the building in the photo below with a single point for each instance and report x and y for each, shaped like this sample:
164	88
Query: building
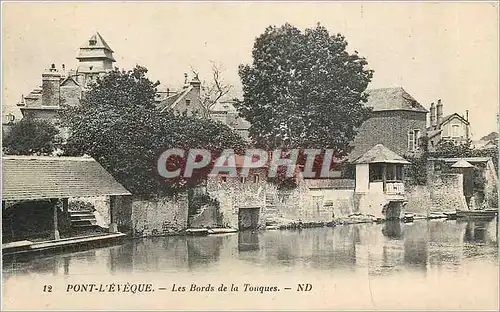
188	100
397	121
453	127
62	87
226	113
8	122
379	186
37	192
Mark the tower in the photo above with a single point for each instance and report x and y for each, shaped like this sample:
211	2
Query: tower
95	58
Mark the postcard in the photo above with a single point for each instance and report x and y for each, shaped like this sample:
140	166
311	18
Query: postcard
250	156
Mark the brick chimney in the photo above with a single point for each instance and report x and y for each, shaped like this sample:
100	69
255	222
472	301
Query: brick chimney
51	83
433	115
439	112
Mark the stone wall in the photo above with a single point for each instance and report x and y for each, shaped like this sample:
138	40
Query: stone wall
160	216
300	203
207	217
70	95
419	199
491	185
443	192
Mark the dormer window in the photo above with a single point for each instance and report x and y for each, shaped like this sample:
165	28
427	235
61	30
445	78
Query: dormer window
92	42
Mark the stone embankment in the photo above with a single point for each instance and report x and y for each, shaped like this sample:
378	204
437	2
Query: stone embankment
283	223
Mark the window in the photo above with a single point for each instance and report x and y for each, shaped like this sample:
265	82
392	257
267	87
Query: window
413	139
243	179
256	178
375	172
394	172
455	131
188	102
223	179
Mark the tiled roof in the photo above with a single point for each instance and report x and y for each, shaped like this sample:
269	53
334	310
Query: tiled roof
42	177
171	101
448	117
392	99
380	154
329	183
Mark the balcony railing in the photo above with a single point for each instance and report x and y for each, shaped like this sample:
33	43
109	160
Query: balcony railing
395	188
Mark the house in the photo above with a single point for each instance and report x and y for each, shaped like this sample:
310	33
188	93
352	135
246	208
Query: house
226	113
37	192
397	121
379	186
8	122
188	100
65	87
453	127
489	141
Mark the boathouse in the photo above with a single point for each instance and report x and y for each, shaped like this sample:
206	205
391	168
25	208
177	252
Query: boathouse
379	187
36	191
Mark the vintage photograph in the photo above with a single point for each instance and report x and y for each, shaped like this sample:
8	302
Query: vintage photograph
250	155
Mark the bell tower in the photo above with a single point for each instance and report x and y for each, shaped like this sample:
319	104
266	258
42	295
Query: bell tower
95	58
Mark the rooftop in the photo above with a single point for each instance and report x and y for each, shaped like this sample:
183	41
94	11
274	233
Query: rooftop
386	99
43	177
380	154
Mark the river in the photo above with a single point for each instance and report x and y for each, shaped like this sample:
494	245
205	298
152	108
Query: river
434	264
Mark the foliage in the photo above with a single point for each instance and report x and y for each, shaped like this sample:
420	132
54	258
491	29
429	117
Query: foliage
31	137
303	90
118	124
416	172
449	149
79	205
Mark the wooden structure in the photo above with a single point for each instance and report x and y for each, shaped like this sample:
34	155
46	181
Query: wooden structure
43	183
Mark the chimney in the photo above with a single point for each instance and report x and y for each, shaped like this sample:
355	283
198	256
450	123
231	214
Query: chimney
63	71
186	83
168	92
51	82
433	115
439	112
196	83
467	115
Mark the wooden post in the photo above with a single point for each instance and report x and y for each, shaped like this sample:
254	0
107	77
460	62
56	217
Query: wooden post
113	228
384	177
55	234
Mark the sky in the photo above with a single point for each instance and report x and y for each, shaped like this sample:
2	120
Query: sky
444	50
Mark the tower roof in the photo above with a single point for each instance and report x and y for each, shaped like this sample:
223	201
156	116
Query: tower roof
96	41
96	47
380	154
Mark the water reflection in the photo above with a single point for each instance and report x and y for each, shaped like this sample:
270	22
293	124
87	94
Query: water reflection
382	248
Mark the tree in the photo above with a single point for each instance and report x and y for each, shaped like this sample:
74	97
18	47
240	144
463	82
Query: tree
118	124
31	137
215	89
304	90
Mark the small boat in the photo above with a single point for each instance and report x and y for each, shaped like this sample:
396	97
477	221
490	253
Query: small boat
197	232
222	230
479	213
